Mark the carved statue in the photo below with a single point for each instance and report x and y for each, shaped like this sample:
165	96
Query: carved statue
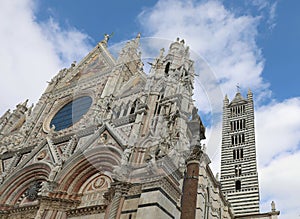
195	115
162	149
150	154
172	118
273	206
106	38
54	172
195	153
61	74
32	192
52	130
28	113
200	129
126	155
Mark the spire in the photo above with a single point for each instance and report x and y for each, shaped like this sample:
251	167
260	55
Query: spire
250	94
25	103
178	48
21	107
238	88
226	100
130	51
249	91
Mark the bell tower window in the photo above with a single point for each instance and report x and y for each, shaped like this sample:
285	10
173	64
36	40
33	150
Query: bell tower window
238	185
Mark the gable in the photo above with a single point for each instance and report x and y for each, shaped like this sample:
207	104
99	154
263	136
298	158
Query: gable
98	62
94	64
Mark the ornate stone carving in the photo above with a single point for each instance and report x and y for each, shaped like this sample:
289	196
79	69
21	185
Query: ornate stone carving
195	154
106	38
54	172
33	190
126	155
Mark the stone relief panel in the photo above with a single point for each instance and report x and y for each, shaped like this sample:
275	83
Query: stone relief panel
93	190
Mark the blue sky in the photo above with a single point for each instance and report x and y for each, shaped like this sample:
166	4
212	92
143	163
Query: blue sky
278	38
252	42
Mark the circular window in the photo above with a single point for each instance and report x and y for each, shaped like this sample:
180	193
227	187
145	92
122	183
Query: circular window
71	113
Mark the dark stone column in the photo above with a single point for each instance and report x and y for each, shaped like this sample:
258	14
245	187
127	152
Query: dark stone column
116	192
190	185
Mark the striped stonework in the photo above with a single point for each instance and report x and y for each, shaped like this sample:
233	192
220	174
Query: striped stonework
239	178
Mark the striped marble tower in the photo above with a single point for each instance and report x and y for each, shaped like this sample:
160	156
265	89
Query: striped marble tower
239	178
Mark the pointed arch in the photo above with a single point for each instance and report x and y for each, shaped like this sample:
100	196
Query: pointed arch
167	68
81	167
126	108
133	107
15	185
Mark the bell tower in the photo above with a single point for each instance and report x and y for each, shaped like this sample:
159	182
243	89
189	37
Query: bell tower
239	178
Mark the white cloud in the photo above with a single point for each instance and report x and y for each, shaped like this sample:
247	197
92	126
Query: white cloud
225	40
277	129
69	44
267	9
213	145
280	182
31	52
278	143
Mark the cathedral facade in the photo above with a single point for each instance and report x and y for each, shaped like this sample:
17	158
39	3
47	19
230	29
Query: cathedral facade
106	140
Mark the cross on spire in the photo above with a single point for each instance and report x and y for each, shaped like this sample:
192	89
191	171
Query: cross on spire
238	88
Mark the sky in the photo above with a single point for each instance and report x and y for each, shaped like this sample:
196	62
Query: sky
252	43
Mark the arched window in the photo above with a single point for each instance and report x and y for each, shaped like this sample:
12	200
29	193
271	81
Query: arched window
243	138
238	185
238	170
125	109
167	68
133	106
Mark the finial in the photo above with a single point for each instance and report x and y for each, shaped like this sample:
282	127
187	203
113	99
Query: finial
138	36
25	103
177	39
161	53
73	64
273	206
